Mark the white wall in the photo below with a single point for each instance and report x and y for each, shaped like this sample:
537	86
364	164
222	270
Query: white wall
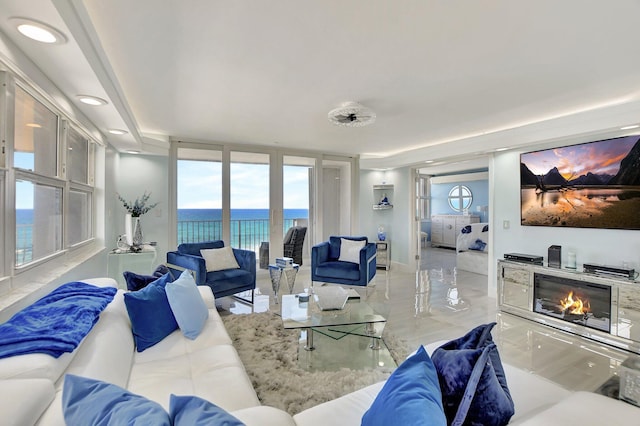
135	175
396	221
601	246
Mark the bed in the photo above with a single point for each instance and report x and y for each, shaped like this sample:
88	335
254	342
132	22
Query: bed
472	248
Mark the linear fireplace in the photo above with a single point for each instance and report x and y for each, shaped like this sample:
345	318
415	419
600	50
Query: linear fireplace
577	302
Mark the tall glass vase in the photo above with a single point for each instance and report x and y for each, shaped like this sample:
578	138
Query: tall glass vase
137	232
128	229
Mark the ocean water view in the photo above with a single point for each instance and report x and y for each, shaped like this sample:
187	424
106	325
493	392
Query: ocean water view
249	227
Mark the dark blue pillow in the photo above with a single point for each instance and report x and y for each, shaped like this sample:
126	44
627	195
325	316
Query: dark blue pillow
137	282
478	245
191	410
150	313
485	228
91	402
410	396
466	229
472	380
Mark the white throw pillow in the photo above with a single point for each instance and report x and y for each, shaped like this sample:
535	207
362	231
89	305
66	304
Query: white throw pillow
350	250
219	259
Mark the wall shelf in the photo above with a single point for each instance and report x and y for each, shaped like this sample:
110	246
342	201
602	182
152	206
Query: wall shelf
379	191
382	206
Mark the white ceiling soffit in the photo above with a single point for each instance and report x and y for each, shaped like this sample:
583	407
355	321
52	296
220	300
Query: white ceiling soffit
445	79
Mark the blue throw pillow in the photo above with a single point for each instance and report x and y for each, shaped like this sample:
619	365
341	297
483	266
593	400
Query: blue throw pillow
410	396
478	245
92	402
466	229
191	410
137	282
472	380
150	313
187	305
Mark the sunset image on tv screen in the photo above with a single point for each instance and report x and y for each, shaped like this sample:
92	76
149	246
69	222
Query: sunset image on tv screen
590	185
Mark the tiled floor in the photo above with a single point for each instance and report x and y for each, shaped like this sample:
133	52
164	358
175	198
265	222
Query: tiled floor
437	302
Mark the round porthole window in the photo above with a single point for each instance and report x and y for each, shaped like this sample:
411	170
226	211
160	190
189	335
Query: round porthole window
460	198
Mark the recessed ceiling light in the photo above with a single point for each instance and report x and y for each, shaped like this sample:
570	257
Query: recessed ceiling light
501	149
91	100
131	151
33	125
633	126
429	161
39	31
117	131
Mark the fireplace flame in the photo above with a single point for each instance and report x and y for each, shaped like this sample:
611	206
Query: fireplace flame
575	306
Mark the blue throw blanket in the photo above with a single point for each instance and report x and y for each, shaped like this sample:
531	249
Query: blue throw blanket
57	323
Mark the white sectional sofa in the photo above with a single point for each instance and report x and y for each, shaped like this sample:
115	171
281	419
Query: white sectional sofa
209	367
537	402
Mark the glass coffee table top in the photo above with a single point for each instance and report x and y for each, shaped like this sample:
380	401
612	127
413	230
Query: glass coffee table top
297	314
330	340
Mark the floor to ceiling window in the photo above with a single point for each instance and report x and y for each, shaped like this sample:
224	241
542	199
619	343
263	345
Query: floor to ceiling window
298	174
250	219
199	195
255	197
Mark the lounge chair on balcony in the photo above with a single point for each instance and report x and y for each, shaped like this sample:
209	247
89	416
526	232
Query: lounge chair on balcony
293	242
226	270
292	246
344	260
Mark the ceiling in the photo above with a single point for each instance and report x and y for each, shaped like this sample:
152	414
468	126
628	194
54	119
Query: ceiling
448	80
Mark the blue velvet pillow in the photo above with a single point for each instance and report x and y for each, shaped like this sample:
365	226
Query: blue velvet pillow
478	245
137	282
92	402
472	380
466	229
191	410
485	228
150	313
187	305
410	396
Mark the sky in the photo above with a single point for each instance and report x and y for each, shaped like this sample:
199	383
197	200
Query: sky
200	186
601	157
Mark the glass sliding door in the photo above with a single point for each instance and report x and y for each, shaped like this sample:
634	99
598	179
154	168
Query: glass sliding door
252	199
297	178
249	200
199	195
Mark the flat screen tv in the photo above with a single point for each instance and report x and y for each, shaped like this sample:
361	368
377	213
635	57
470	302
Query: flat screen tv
589	185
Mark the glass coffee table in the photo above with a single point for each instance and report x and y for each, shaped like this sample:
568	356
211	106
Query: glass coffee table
350	337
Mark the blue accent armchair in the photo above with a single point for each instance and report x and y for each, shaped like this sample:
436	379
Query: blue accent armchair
326	266
223	283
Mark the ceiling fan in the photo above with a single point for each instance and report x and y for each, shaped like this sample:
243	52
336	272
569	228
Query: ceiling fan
352	114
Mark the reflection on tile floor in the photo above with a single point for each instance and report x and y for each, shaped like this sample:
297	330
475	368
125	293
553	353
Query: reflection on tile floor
437	302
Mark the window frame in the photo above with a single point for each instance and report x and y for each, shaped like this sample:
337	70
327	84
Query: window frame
457	193
60	182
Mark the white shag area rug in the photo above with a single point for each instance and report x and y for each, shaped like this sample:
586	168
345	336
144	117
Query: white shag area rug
269	354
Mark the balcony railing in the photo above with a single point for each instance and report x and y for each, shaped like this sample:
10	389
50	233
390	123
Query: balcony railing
245	234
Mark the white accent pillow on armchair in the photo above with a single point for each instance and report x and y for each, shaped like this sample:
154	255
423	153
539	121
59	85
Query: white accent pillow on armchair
219	259
350	250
